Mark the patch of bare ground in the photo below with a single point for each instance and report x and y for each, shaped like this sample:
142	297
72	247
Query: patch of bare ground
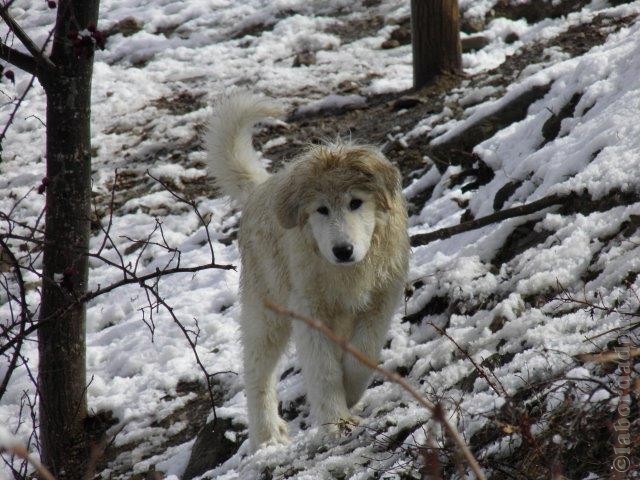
191	416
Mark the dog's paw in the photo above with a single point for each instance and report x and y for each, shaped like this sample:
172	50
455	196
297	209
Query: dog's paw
277	434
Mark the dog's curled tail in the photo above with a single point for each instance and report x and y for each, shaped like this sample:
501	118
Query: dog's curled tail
231	159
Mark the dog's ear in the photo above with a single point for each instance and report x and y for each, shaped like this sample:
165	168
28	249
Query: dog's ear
288	200
388	181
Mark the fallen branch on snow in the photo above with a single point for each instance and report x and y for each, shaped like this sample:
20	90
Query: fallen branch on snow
526	209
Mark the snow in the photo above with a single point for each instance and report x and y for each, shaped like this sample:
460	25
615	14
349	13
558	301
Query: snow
331	103
208	48
7	439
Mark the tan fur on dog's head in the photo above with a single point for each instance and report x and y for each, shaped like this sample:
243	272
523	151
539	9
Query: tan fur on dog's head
336	168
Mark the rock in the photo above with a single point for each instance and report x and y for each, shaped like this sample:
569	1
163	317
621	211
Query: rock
504	193
511	38
212	448
304	58
389	44
348	86
551	128
127	27
473	43
402	34
399	36
472	24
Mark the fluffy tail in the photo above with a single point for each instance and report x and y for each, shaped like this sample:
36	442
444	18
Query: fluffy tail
231	159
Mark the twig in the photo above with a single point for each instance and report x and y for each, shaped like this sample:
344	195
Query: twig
36	52
22	452
498	388
526	209
157	274
16	108
24	316
192	343
435	409
26	63
193	205
18	59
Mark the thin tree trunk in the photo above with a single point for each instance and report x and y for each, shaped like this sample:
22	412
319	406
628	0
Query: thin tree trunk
435	30
62	371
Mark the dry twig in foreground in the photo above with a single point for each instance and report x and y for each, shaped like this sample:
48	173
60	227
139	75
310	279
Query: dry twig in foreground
435	409
22	452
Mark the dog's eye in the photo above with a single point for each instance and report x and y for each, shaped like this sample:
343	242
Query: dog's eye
323	210
355	204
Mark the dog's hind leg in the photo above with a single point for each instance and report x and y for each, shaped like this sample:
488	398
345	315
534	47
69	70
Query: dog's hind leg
264	338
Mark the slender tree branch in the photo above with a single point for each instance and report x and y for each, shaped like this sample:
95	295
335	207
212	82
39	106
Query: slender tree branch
140	280
22	452
20	60
33	72
16	108
497	387
40	59
526	209
436	410
157	274
193	343
194	207
24	315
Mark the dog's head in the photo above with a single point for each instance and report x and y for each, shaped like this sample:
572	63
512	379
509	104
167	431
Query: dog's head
338	192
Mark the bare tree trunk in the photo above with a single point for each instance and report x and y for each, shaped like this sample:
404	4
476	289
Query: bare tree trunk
435	30
61	337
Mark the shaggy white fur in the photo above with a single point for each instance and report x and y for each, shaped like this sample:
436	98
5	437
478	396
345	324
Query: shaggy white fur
326	237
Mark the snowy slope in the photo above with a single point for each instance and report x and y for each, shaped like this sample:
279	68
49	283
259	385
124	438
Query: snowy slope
151	95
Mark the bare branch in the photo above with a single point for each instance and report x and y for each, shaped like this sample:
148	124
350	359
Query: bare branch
22	452
40	60
193	205
193	343
17	106
26	66
526	209
157	274
24	316
497	387
435	409
20	60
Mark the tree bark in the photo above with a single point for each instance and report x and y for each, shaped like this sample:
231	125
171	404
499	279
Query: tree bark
435	30
62	371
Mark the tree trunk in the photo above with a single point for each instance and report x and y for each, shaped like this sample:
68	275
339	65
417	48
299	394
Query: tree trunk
61	337
435	30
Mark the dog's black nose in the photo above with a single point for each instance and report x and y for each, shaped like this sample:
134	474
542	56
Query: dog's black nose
343	252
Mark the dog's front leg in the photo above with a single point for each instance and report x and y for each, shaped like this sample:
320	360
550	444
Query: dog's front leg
369	336
321	362
263	338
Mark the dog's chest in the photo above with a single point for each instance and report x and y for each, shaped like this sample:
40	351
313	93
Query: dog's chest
337	296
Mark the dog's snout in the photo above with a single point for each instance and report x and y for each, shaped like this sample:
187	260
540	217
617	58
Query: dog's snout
343	252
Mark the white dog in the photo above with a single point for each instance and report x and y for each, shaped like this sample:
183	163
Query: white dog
325	237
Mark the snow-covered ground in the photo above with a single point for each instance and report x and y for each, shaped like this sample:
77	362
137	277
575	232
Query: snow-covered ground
209	47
